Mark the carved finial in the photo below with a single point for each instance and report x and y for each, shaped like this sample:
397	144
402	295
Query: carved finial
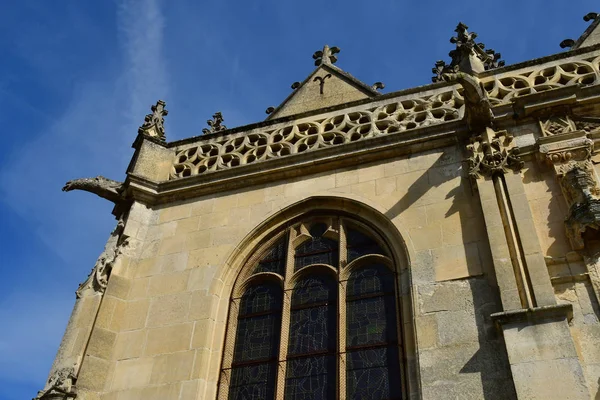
378	86
590	16
153	125
326	56
468	56
270	110
216	124
60	385
567	43
295	85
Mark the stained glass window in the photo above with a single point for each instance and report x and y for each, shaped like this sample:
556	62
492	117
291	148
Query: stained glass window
256	344
311	372
372	369
359	244
317	250
312	359
274	259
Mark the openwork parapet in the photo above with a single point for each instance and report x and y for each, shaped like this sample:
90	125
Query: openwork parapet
395	117
307	136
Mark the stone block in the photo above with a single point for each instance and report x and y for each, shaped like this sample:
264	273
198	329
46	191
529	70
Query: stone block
169	339
146	267
168	283
169	309
139	288
446	296
162	392
130	316
187	225
427	331
370	173
118	287
189	390
396	167
527	342
225	202
426	237
556	379
203	207
202	305
215	219
251	197
201	278
173	213
132	373
456	327
214	256
385	186
455	262
224	235
130	344
93	374
101	344
176	262
171	245
173	367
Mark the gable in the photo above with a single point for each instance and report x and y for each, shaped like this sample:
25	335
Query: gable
327	86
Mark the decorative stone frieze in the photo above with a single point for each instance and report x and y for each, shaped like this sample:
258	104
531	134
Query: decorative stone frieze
153	125
398	116
98	278
566	123
501	89
493	153
570	156
60	386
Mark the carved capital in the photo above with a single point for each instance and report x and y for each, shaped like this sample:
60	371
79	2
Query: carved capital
60	386
493	153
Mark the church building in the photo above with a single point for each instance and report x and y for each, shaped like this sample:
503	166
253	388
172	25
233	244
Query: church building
438	242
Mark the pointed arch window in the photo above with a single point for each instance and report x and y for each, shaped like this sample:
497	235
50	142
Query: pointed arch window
315	316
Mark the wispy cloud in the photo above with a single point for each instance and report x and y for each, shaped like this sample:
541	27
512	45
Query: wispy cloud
91	135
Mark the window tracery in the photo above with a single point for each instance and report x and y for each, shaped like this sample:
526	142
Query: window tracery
316	317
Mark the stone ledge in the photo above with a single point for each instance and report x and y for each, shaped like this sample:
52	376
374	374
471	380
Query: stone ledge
533	315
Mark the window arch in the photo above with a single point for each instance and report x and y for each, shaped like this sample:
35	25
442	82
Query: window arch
315	315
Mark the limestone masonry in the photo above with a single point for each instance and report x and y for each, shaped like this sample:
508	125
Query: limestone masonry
440	242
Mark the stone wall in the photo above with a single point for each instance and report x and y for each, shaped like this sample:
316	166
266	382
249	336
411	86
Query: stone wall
161	325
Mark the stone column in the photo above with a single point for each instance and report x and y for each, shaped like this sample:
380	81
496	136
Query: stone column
68	360
540	348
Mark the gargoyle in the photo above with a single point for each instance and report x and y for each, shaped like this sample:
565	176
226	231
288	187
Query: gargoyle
478	109
101	186
61	385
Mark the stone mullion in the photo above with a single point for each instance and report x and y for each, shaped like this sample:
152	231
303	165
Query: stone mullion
341	322
285	317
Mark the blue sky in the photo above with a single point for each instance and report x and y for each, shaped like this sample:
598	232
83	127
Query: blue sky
77	78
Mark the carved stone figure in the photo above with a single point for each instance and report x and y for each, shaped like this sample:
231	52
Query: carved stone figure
60	386
106	188
153	125
478	109
98	277
326	56
215	124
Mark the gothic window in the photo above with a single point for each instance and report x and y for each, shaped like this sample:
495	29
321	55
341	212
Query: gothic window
314	316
